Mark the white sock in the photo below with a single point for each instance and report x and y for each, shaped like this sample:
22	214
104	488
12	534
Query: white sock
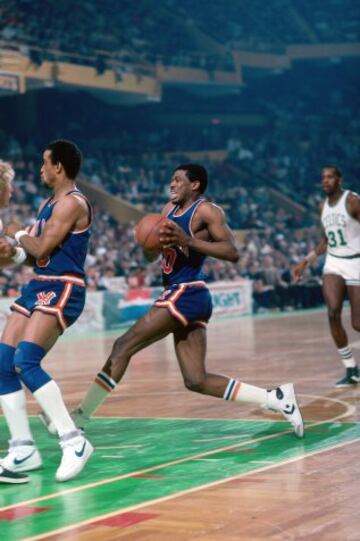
50	399
347	357
242	392
98	392
14	409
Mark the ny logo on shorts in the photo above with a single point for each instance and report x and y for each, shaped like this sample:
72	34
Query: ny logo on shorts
44	299
164	295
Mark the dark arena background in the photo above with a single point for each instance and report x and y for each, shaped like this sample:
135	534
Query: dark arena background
264	94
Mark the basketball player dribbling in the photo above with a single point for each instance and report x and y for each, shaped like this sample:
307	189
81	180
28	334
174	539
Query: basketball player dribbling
56	247
340	217
196	229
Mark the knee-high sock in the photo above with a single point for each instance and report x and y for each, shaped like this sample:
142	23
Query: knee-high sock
51	401
14	408
242	392
27	360
97	393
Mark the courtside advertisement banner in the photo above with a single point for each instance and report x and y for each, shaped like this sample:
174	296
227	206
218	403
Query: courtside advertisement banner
231	298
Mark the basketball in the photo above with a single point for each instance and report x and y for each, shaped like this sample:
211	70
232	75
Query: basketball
147	231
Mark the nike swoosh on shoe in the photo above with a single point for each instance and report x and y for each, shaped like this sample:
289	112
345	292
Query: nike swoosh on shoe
81	452
289	411
18	461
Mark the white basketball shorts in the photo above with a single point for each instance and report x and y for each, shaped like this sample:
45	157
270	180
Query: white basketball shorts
349	269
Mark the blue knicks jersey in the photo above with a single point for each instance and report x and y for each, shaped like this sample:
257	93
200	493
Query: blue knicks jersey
69	257
181	265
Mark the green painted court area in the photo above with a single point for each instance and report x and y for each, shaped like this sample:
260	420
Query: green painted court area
141	460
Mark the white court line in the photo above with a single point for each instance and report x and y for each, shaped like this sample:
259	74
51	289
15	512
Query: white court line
50	496
223	438
185	492
207	459
350	408
103	447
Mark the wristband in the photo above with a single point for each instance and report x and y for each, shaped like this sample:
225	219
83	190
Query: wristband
20	234
19	256
311	257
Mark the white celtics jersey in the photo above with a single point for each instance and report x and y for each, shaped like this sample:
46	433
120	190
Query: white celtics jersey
342	231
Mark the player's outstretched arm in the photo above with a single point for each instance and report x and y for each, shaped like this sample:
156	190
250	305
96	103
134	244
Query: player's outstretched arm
65	215
222	245
309	259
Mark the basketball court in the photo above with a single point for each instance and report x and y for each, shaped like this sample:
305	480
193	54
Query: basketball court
173	465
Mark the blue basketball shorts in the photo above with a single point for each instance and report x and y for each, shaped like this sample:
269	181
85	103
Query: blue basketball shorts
190	303
60	296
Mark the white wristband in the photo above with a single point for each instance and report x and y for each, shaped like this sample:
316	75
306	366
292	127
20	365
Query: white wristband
20	256
20	234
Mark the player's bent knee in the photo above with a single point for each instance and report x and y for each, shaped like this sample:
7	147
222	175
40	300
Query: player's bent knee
195	385
119	348
124	345
334	316
27	359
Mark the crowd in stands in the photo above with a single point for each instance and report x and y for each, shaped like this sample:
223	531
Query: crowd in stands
144	182
297	139
302	127
292	153
333	20
269	26
97	33
202	34
249	24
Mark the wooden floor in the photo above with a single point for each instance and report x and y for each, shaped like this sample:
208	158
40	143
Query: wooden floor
314	497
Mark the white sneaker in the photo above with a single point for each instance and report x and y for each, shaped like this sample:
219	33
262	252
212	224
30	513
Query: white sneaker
283	399
22	456
76	453
77	416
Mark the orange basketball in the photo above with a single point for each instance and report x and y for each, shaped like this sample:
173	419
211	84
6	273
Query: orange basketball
147	231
